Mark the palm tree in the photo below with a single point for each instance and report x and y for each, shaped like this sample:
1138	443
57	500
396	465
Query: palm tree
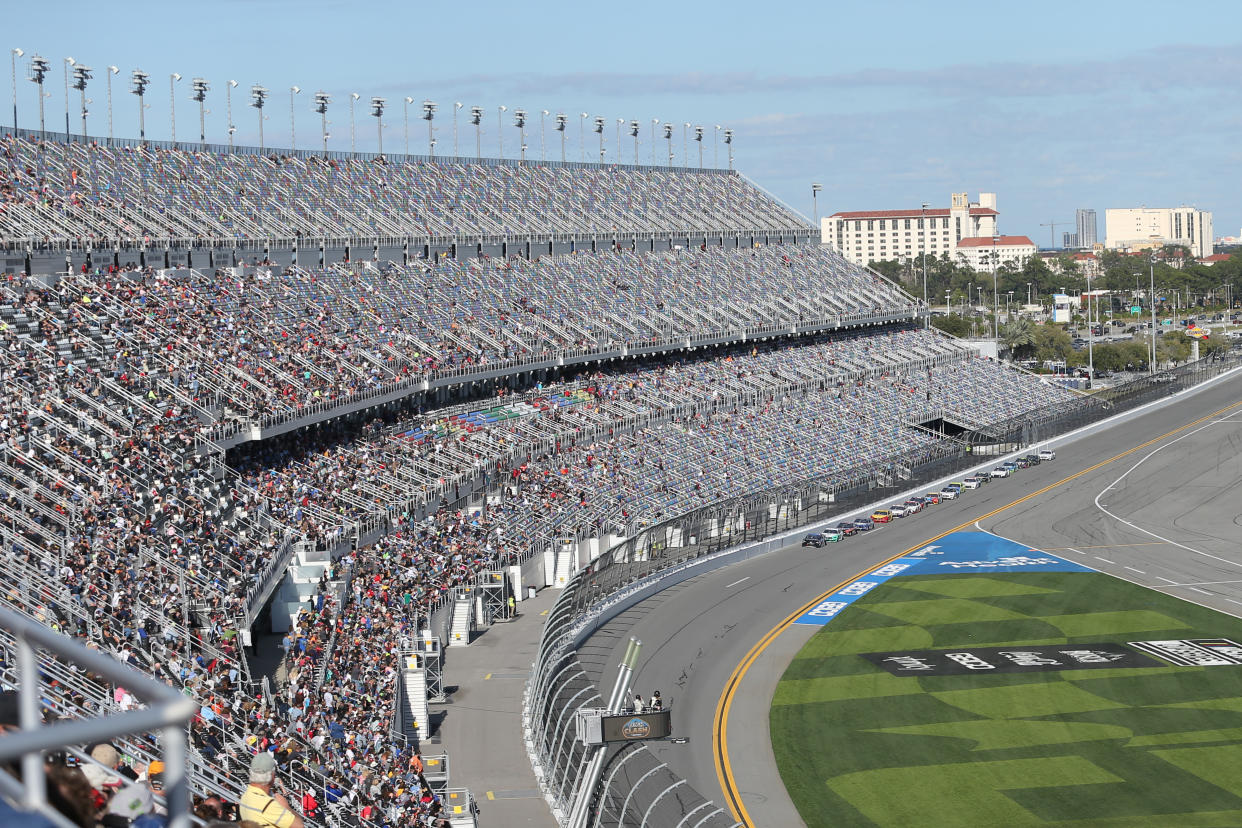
1017	335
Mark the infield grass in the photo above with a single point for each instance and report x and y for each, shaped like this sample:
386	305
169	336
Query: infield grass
1154	746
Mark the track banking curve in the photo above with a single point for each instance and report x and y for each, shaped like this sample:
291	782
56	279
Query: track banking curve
717	644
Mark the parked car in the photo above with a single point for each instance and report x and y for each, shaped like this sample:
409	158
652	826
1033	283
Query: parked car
815	539
882	516
847	528
971	482
864	524
1047	454
1001	471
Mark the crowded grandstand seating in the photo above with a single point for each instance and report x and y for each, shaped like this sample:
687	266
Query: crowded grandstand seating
50	189
124	524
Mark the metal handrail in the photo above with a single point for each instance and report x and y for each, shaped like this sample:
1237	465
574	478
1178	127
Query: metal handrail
168	712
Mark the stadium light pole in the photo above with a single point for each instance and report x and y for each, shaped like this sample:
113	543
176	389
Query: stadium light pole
1151	300
140	81
38	71
543	145
258	97
923	243
698	136
377	109
634	129
322	99
620	123
14	54
456	106
353	146
68	62
405	121
716	147
81	74
561	123
728	134
201	87
655	122
816	187
228	95
429	112
112	70
599	128
293	129
668	137
685	144
500	128
519	121
476	118
172	105
995	293
582	138
1091	332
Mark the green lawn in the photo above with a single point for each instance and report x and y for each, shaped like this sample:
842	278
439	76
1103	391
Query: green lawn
1155	746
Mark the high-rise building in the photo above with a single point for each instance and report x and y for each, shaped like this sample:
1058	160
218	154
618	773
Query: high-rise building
1069	241
1085	219
1141	228
893	235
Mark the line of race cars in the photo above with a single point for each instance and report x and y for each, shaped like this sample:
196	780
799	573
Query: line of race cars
848	528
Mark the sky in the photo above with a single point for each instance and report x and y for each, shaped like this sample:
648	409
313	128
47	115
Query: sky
1053	106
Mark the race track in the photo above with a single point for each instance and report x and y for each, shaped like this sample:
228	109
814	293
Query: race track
1166	515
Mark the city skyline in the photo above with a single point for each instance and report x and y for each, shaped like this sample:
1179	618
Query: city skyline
1051	120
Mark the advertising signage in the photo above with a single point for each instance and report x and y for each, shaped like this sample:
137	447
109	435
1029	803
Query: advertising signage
635	727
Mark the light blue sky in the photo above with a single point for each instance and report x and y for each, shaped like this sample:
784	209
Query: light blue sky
1052	105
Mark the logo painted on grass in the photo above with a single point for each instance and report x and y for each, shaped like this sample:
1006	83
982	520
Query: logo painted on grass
1009	659
958	552
1194	652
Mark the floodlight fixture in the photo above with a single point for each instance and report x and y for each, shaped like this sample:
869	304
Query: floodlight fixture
139	81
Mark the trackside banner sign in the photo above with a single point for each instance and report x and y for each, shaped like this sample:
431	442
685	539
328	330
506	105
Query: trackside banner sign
959	552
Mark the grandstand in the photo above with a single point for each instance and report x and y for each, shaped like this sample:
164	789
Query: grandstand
198	450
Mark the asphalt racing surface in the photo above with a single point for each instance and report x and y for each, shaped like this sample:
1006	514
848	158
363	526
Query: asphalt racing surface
1167	514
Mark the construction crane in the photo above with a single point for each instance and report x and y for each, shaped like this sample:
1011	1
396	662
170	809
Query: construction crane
1052	232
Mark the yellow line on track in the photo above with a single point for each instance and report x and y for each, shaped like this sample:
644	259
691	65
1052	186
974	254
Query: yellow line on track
720	724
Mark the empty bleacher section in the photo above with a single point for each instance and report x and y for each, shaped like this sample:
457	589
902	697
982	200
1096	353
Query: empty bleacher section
626	388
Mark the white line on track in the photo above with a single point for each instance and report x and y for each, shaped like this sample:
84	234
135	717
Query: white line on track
1137	528
1072	549
1166	580
735	583
1230	600
1204	591
1139	571
1105	560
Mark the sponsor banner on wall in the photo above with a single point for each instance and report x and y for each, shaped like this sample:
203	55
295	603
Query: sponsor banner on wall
1042	659
1194	652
